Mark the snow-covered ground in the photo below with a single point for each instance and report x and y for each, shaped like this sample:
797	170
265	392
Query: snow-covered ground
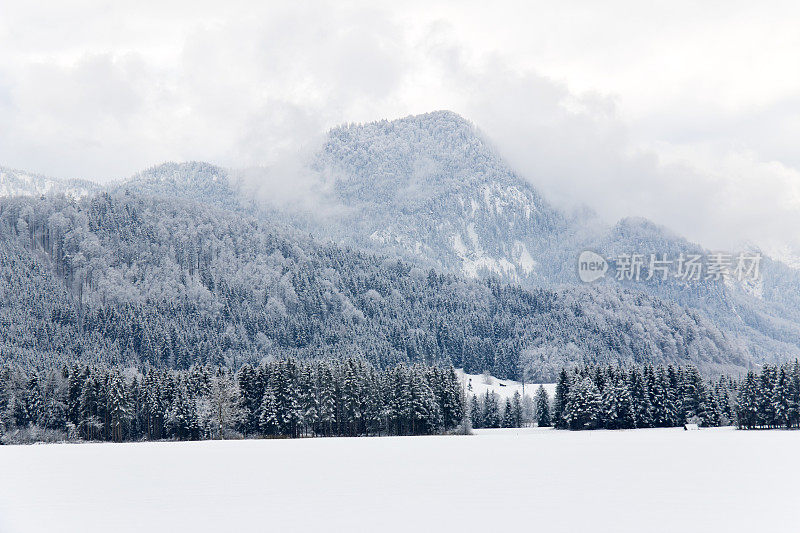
525	479
478	384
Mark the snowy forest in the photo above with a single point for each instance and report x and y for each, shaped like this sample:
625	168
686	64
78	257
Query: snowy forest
295	398
138	280
168	307
285	398
609	397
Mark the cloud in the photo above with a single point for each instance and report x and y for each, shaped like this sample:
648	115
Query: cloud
684	114
715	188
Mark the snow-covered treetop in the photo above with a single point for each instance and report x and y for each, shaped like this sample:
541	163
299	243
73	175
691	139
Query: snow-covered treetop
20	183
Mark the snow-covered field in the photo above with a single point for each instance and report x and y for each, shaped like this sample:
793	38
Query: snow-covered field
526	480
478	384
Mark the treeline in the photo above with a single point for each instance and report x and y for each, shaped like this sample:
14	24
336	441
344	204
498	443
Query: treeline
609	397
285	398
351	397
770	398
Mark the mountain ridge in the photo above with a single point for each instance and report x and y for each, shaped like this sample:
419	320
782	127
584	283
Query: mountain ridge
431	190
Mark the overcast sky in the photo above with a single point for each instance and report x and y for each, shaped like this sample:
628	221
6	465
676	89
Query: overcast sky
686	114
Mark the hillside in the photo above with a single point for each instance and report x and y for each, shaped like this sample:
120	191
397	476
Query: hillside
19	183
139	279
429	190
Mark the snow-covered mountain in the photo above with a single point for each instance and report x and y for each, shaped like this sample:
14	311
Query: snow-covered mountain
430	189
15	183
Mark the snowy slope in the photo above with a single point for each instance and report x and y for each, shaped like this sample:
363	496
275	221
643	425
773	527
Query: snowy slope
432	189
18	183
478	384
663	480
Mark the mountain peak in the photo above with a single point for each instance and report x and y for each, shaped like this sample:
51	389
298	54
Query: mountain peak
186	173
194	180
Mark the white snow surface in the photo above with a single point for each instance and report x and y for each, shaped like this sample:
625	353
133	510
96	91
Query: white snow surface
505	388
662	480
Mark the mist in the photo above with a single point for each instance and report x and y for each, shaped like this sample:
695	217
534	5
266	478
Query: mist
693	140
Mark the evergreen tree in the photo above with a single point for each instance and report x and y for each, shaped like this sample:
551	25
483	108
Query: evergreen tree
184	420
639	398
747	408
617	407
268	414
452	399
542	407
249	398
476	413
118	409
583	407
781	400
692	393
516	410
491	411
561	399
508	415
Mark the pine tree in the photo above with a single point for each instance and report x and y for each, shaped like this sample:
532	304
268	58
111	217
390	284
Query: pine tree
781	401
692	393
747	408
561	399
793	413
268	414
583	407
452	400
542	407
249	398
492	411
712	413
476	413
617	407
508	415
425	414
766	385
639	400
74	389
516	409
89	419
118	409
184	419
327	401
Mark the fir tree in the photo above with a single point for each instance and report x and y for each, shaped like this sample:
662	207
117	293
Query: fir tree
268	414
617	407
542	407
508	415
561	399
476	413
747	408
491	411
118	409
583	407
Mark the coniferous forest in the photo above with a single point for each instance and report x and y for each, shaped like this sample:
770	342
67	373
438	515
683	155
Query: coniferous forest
608	397
284	398
350	397
135	280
